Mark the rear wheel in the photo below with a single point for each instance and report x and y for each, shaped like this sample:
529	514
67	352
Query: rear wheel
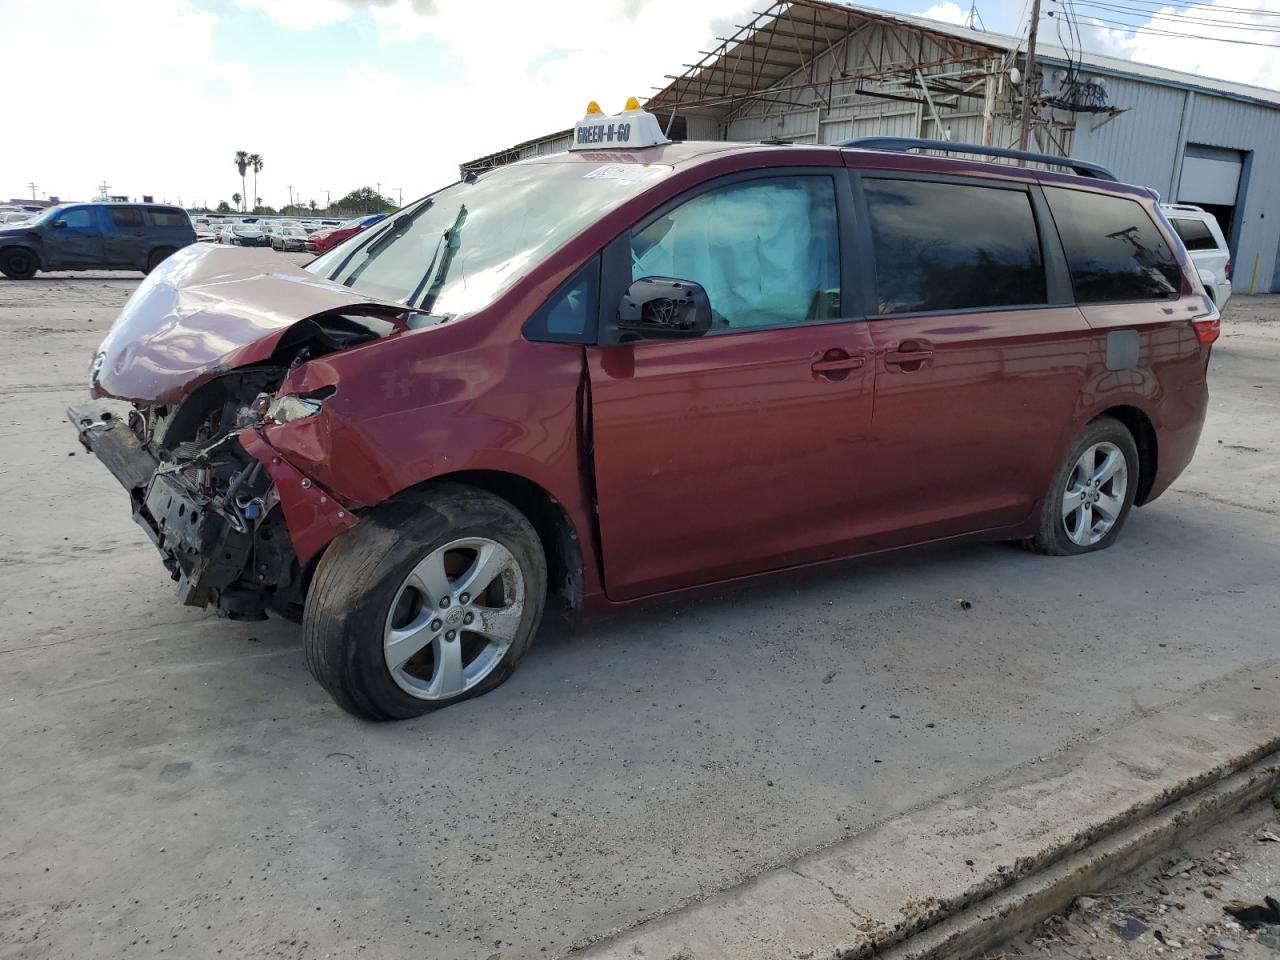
1091	493
158	257
18	263
431	599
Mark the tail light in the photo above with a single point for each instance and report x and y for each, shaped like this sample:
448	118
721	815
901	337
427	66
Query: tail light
1208	325
1208	329
1227	269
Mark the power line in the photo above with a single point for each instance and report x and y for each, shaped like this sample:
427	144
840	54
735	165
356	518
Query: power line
1098	24
1180	18
1141	7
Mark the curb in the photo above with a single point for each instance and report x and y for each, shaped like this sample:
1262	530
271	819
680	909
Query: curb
974	869
1026	903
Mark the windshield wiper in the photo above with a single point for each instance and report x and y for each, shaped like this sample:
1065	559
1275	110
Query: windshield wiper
450	241
378	242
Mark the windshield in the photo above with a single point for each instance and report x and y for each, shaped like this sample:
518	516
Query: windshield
45	215
455	251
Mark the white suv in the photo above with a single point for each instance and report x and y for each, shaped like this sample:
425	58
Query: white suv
1203	239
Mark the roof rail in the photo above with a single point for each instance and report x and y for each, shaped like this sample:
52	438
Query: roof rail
1081	168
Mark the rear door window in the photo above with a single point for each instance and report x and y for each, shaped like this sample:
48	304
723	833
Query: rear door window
125	218
1114	251
1194	233
953	246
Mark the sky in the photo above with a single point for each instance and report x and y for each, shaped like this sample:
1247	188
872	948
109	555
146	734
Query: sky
155	96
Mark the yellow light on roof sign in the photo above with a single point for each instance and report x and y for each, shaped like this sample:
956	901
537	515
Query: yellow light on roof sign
631	129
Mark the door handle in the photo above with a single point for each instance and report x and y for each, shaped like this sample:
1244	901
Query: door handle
909	356
836	364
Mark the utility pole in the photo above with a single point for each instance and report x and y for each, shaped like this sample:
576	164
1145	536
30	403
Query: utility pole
327	202
399	195
104	188
291	194
1027	82
33	187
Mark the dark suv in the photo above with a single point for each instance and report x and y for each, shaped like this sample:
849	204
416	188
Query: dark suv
94	236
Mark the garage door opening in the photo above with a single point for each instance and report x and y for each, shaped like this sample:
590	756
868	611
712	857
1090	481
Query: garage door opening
1211	179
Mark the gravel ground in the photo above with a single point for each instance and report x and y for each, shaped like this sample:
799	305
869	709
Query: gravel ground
1176	905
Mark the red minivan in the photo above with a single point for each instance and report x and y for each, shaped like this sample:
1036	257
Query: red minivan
640	367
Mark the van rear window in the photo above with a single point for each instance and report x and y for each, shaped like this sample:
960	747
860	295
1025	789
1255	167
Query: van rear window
952	246
1113	248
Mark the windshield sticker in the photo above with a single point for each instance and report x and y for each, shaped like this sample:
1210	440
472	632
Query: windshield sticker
629	172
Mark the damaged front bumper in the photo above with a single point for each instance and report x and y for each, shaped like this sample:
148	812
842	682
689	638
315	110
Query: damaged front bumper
244	549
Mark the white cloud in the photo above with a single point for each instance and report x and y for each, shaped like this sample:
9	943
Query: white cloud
300	14
947	11
162	109
1199	54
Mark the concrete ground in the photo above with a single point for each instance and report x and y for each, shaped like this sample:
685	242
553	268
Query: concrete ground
1176	905
176	783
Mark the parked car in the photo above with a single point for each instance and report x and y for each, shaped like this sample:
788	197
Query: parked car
289	238
327	239
242	235
1202	236
94	236
608	376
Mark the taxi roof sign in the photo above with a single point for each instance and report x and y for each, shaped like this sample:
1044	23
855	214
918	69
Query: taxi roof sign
631	129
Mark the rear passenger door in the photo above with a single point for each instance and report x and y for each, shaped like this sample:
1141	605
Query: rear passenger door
124	243
980	352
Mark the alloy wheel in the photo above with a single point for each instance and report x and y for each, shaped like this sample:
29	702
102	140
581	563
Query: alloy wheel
1094	496
453	618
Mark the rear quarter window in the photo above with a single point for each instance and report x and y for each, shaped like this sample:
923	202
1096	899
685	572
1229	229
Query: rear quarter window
168	218
1195	234
1114	250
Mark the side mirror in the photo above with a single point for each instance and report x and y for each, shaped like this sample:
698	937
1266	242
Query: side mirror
60	224
663	308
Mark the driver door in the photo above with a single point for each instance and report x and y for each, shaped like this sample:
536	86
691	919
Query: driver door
742	450
79	243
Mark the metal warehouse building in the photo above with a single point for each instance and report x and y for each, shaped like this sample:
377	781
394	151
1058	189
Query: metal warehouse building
809	71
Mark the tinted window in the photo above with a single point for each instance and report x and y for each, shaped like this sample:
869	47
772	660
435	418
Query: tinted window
168	218
78	218
766	251
949	246
1195	234
125	217
1113	248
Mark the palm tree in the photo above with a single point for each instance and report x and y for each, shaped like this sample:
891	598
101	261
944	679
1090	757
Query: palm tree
256	164
235	198
242	164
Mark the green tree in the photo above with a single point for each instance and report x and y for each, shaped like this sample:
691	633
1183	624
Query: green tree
313	205
224	207
365	200
236	198
255	164
242	164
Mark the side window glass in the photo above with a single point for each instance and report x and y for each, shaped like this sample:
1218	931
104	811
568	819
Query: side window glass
1195	234
78	219
1113	249
951	246
766	251
125	217
168	218
569	314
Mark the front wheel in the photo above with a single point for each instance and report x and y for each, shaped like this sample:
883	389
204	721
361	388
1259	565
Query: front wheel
1091	493
433	598
18	263
158	257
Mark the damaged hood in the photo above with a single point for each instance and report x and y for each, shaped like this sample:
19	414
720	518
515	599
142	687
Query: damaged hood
207	310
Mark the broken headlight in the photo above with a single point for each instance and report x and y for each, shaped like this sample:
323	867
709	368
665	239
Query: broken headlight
289	407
